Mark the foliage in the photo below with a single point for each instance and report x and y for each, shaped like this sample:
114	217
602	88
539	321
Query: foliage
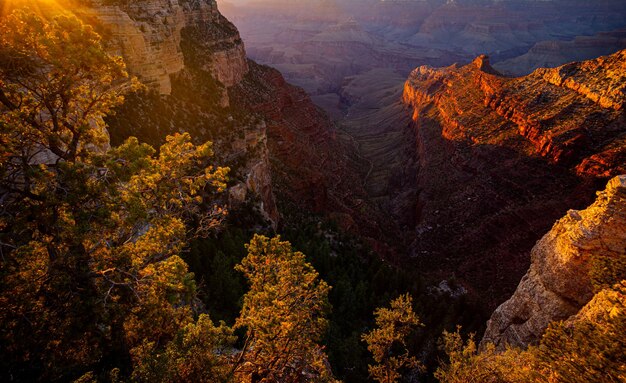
388	342
200	352
466	364
283	313
90	237
361	282
606	270
56	84
591	348
587	348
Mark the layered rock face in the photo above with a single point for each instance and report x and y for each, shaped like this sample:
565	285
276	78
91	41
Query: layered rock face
558	283
268	131
501	159
316	44
553	53
148	35
188	55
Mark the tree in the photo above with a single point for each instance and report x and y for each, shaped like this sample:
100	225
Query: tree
591	347
90	237
284	315
466	364
56	84
388	342
200	352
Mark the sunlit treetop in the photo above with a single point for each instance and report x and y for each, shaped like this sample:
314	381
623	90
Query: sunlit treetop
57	82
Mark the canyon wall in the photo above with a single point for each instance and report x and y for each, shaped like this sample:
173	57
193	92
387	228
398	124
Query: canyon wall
558	283
148	35
199	80
188	55
501	159
554	53
311	167
317	45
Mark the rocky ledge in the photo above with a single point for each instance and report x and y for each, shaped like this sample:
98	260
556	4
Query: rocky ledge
558	284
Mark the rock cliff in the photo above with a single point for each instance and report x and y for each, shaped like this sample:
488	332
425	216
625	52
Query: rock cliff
148	35
268	131
188	55
558	284
501	159
310	166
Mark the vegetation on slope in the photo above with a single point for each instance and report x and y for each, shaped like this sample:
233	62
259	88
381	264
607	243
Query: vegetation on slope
98	244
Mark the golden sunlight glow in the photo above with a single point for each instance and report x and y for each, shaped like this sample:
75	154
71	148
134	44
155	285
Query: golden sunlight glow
38	6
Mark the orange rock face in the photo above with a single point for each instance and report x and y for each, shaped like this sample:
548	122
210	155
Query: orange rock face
502	158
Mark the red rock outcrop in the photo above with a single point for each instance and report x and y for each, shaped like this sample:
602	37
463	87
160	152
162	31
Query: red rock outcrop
500	159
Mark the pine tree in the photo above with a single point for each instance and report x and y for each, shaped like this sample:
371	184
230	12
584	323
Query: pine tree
388	342
90	236
283	314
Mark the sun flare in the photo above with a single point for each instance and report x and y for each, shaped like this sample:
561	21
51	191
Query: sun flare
40	7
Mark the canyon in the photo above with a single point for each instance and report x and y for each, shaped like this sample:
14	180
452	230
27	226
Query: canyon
500	159
316	44
199	79
456	172
442	138
473	166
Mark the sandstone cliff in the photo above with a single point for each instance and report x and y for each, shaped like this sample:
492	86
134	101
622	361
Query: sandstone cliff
148	35
188	55
268	131
501	159
558	284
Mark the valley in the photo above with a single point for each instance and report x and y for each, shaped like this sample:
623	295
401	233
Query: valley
448	190
281	191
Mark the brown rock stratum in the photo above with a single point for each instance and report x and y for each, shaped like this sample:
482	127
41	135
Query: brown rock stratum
501	159
310	166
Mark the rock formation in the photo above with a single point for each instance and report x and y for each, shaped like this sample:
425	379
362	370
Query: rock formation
311	167
316	46
188	55
268	131
148	35
501	159
558	283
